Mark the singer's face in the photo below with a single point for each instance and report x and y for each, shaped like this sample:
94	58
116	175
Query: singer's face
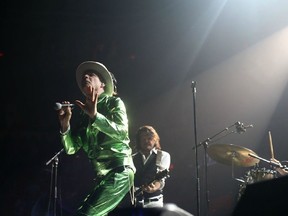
90	80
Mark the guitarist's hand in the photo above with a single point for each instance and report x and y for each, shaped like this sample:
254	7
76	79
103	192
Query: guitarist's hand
153	187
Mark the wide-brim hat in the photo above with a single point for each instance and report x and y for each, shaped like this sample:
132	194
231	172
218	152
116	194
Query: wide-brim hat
98	68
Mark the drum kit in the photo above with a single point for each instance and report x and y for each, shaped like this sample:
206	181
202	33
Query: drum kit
234	155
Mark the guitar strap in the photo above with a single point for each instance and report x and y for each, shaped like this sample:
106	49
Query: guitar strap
158	158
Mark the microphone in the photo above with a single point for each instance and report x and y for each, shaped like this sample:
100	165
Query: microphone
59	106
241	128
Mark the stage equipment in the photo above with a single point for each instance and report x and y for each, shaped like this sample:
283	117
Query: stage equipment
231	154
264	198
52	208
169	209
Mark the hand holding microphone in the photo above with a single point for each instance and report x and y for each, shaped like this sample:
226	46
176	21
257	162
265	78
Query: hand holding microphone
59	106
64	115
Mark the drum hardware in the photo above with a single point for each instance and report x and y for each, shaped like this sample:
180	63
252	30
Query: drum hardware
231	154
271	162
240	180
257	174
205	143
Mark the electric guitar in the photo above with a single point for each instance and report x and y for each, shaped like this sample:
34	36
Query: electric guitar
160	175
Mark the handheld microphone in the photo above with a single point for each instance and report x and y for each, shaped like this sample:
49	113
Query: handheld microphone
59	106
241	128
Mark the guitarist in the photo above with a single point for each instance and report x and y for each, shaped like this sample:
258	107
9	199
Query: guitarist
149	160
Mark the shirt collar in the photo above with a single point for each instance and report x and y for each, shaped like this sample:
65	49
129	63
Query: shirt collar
144	158
151	151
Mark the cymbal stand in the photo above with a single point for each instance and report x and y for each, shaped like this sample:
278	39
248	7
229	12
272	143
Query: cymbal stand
232	166
205	144
54	180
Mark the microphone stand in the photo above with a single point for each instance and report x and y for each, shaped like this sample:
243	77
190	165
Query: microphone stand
193	86
54	178
205	145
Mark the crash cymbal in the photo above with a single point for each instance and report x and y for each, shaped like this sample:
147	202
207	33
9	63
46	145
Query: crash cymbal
232	154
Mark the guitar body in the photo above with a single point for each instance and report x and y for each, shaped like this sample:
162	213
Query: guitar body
127	202
159	176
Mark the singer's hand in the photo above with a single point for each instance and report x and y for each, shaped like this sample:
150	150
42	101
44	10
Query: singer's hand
65	115
90	106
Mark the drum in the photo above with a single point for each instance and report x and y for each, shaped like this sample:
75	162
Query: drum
256	175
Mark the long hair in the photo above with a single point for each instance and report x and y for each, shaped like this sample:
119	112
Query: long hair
115	91
148	130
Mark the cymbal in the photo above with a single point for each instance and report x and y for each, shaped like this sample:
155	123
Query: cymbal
232	154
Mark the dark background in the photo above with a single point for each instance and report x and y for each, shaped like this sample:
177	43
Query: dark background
236	51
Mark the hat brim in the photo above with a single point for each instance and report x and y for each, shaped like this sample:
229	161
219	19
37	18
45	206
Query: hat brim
99	68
